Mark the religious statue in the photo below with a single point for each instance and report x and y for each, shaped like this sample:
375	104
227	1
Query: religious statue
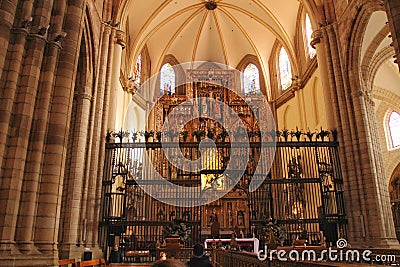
230	219
295	167
172	215
213	217
240	218
204	106
161	213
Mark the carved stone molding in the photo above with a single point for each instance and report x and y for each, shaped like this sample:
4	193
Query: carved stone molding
121	38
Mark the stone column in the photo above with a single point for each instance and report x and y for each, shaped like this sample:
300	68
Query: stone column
25	98
9	190
26	219
54	158
7	15
97	117
28	203
96	193
365	197
15	53
115	83
75	184
321	46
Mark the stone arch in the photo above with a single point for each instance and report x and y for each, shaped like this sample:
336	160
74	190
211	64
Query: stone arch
368	73
388	102
356	33
180	76
274	68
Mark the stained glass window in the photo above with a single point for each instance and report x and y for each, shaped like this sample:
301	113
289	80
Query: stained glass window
167	79
394	129
309	31
137	70
285	70
251	77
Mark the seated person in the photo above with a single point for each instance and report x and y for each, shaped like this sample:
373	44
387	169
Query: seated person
199	259
115	255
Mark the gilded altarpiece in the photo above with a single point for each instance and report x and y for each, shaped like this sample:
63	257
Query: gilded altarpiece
203	86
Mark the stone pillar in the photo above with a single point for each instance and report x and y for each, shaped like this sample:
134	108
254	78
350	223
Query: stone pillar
320	47
75	184
365	198
7	15
115	82
21	119
54	158
10	190
97	188
91	210
28	203
15	53
26	220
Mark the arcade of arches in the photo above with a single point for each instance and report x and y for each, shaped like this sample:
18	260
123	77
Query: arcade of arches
73	71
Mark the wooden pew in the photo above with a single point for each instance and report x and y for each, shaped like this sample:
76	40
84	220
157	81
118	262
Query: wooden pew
100	262
67	262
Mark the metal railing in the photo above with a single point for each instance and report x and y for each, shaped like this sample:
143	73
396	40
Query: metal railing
301	192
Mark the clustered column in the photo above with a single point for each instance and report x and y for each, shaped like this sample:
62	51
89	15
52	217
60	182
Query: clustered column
361	172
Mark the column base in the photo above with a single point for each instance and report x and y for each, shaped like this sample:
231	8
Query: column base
72	251
8	248
377	243
28	260
28	248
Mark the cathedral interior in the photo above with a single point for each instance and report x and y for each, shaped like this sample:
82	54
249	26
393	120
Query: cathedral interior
158	125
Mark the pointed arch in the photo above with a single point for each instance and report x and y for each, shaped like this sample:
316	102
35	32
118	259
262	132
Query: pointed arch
285	69
308	30
180	75
252	59
167	79
251	80
394	129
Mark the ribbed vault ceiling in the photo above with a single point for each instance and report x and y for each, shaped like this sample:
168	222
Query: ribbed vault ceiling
191	32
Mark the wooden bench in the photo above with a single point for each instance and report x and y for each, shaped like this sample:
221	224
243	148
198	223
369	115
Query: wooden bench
100	262
299	242
67	262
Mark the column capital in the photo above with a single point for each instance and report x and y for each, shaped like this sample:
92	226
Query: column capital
316	37
84	96
121	38
130	87
107	28
366	95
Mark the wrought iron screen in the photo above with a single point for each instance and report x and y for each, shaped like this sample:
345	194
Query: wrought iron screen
302	192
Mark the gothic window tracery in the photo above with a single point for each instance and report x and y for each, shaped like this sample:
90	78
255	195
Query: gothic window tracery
308	32
251	80
285	71
167	79
137	70
394	129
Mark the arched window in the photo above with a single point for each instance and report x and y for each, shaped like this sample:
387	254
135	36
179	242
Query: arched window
394	129
308	33
251	80
285	71
137	70
167	79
